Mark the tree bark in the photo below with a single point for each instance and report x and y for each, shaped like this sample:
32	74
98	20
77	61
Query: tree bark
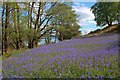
109	22
30	42
60	37
16	27
36	32
18	22
6	26
3	31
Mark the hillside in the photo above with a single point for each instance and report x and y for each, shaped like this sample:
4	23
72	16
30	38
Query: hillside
94	57
107	30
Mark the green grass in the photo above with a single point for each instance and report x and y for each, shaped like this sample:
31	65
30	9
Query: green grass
112	29
11	53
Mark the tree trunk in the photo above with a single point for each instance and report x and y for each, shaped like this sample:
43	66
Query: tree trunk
6	26
61	37
109	22
17	44
55	37
36	43
2	30
18	24
30	41
16	28
32	44
36	32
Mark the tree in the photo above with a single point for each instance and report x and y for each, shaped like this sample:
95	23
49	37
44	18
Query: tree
30	42
16	23
42	19
68	32
117	11
65	21
104	13
7	16
24	24
2	29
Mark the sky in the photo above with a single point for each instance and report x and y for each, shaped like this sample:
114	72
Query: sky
85	16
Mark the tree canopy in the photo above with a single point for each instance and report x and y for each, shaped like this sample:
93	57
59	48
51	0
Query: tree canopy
24	24
106	12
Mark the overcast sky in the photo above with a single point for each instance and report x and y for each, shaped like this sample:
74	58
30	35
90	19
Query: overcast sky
86	17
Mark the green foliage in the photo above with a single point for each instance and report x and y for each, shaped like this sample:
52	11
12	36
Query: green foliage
11	53
69	32
65	21
105	12
63	15
28	23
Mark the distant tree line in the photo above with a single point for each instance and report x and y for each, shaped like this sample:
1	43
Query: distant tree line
25	23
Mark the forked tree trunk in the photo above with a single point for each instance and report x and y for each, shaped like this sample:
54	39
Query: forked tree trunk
30	41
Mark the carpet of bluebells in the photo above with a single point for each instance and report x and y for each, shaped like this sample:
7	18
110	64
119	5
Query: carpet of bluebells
93	57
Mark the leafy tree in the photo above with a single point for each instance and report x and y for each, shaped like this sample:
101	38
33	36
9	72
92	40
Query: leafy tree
68	32
116	10
104	13
65	21
24	24
16	23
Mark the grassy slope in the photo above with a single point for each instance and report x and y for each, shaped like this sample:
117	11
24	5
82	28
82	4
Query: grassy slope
106	30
